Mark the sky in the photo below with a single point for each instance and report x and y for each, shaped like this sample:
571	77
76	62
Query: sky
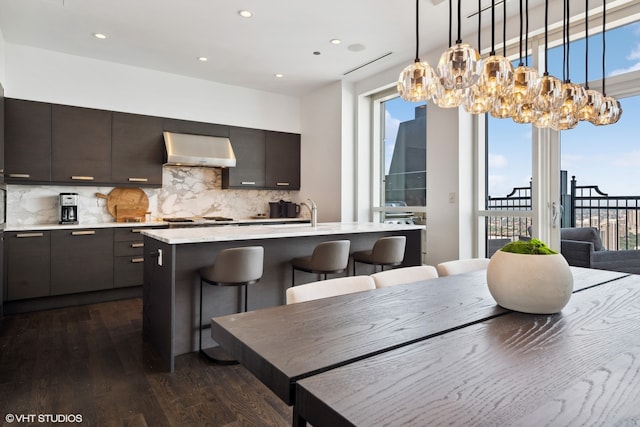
607	156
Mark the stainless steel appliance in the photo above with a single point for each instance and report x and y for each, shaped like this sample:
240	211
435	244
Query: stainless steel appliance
69	208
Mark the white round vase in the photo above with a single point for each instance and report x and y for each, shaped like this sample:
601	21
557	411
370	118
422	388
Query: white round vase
539	284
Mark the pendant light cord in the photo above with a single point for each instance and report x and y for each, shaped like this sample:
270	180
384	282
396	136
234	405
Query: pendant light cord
493	27
526	33
520	38
604	22
450	19
504	28
546	37
479	23
568	40
459	40
564	40
417	30
586	39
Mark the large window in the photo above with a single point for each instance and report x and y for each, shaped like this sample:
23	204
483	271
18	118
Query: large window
606	157
404	153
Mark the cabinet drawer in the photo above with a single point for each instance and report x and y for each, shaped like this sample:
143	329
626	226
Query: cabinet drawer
128	271
131	234
128	248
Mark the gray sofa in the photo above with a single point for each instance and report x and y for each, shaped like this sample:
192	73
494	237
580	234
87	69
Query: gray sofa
582	247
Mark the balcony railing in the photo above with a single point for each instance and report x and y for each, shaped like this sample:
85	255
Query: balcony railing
617	217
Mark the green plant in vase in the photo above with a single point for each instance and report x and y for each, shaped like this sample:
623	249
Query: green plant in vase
528	247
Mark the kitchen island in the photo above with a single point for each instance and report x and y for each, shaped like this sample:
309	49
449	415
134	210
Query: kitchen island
173	257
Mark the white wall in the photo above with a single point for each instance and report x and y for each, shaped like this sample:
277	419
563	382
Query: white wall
49	76
321	158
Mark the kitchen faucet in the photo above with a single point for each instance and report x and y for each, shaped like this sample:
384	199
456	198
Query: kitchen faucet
313	210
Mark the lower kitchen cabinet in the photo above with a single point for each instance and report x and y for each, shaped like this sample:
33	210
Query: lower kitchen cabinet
128	258
27	264
72	263
81	260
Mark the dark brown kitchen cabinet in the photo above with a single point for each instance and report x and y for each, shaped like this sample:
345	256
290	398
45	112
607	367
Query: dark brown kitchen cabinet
249	148
81	260
27	148
128	267
282	160
80	145
196	128
137	149
27	264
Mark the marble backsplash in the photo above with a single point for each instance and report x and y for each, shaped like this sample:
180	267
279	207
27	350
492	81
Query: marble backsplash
185	192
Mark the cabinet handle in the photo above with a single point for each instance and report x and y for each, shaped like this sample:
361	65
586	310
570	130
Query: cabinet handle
137	260
82	178
248	183
138	180
83	233
19	175
137	245
136	230
282	184
22	235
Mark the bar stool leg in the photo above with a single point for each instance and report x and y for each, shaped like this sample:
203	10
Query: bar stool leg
215	354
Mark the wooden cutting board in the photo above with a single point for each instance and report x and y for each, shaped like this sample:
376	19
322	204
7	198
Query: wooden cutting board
126	199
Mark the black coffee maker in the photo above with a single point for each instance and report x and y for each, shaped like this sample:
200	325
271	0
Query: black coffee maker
68	208
283	209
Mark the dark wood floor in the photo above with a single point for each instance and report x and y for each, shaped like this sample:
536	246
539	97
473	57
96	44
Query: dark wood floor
92	360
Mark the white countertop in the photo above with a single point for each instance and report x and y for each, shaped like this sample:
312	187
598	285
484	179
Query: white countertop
177	236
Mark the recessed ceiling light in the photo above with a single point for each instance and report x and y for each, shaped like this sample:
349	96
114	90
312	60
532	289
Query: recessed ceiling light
336	41
279	75
245	13
356	47
99	36
202	58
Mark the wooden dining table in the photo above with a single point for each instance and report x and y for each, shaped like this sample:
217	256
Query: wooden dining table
283	345
576	368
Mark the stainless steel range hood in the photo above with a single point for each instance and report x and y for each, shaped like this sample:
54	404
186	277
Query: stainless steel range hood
198	150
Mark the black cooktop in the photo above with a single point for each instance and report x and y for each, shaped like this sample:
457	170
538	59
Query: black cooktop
205	218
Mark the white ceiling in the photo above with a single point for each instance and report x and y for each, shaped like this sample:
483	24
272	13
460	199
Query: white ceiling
281	37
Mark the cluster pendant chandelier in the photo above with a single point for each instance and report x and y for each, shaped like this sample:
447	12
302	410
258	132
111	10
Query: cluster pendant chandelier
493	86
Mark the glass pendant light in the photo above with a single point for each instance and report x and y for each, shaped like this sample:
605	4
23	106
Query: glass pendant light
417	82
475	102
610	109
548	89
496	78
593	98
573	95
443	97
447	98
503	105
524	79
459	65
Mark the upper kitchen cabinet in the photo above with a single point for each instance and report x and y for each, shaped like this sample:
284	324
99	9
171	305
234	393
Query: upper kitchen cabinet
27	146
80	145
249	148
282	162
137	149
196	128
